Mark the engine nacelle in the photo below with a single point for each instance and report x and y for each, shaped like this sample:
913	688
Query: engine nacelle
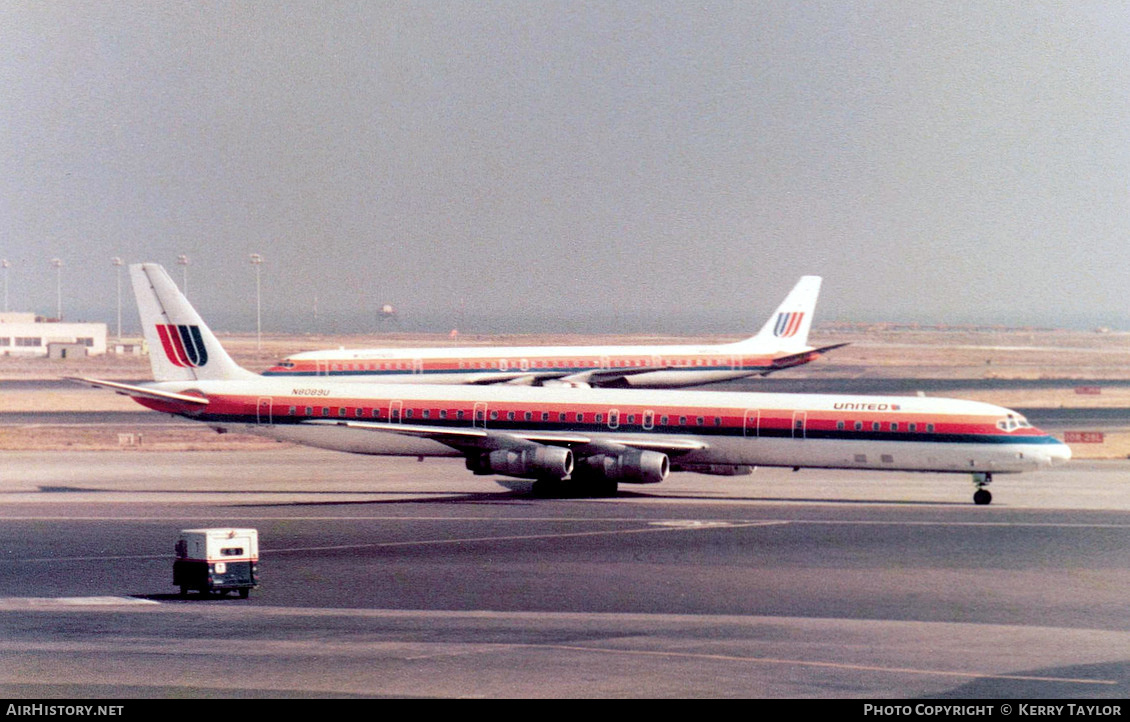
536	462
565	384
630	466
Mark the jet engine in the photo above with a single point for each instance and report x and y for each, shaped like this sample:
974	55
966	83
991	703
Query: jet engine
533	462
631	466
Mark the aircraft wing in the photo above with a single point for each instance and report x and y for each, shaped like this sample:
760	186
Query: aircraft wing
144	392
517	378
605	377
465	439
595	377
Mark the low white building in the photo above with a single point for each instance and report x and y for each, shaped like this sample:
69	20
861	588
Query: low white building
23	334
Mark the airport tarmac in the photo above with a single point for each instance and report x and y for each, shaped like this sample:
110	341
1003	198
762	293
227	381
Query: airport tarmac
394	578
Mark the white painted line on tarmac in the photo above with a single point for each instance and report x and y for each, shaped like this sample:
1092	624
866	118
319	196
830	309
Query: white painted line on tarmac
832	665
516	537
55	602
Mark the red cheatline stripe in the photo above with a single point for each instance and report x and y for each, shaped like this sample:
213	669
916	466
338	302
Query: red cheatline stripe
794	323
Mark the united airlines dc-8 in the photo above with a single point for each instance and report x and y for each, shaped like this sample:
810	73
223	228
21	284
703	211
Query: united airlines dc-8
576	441
780	344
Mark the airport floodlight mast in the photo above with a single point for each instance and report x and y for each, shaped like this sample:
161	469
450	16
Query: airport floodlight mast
182	261
118	265
6	264
58	264
257	261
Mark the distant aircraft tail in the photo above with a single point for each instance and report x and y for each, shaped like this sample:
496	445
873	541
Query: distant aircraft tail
787	329
181	346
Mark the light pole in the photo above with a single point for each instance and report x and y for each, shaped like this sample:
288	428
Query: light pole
58	288
182	261
6	264
257	261
118	265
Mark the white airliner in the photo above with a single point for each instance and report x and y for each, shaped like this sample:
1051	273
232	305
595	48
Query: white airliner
781	343
573	440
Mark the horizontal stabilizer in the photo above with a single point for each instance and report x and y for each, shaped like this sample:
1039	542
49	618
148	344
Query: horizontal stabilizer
804	356
140	391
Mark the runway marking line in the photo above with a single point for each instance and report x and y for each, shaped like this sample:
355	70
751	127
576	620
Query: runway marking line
655	526
829	665
74	601
527	537
670	527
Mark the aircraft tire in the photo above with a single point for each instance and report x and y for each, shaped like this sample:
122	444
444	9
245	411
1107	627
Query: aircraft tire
548	488
982	497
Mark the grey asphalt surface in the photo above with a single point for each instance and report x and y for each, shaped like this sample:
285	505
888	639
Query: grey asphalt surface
392	578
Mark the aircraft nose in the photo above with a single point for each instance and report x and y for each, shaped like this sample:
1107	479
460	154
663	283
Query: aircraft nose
1058	454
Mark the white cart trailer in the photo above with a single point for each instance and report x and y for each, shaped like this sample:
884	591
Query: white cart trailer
217	560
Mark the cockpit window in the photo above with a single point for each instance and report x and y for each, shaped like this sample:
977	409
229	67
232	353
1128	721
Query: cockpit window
1012	422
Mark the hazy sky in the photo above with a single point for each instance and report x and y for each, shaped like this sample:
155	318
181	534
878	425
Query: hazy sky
589	165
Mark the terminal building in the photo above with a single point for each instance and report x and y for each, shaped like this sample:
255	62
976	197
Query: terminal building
25	334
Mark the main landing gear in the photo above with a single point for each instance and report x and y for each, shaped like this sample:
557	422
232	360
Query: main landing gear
579	486
982	496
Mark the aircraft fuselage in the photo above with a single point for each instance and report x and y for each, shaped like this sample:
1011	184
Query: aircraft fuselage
693	427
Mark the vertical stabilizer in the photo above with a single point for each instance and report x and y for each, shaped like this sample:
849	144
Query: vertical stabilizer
181	346
787	329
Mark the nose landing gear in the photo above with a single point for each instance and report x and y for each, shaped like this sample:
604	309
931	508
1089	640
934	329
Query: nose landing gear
982	496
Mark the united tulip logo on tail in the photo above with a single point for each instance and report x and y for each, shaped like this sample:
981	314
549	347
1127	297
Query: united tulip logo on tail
183	345
787	324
